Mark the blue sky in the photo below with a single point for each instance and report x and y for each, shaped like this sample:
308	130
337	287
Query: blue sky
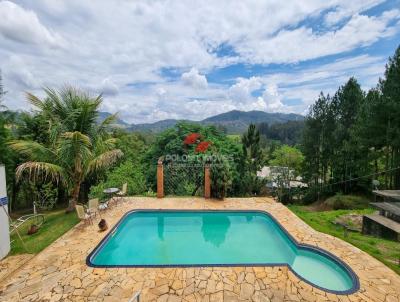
154	60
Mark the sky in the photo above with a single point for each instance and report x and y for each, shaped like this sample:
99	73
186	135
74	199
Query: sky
155	60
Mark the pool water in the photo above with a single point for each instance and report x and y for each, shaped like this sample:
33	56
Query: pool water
181	238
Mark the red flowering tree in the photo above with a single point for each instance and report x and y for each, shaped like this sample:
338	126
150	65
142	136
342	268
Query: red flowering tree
196	139
192	138
202	147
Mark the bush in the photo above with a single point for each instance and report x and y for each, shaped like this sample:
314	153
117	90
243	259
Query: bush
346	202
221	177
128	173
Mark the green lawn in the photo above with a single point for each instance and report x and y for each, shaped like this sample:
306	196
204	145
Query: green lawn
55	225
385	251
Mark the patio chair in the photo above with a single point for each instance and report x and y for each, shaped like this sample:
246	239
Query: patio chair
121	194
82	215
93	206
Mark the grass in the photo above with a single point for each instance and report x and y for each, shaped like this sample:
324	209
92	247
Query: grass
384	250
56	224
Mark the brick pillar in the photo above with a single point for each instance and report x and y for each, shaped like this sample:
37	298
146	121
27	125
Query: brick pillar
207	182
160	179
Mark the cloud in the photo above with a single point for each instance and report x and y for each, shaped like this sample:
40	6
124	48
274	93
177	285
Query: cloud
21	25
108	88
272	99
241	91
303	43
194	79
18	70
347	9
219	55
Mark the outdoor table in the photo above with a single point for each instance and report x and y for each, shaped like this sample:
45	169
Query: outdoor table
111	193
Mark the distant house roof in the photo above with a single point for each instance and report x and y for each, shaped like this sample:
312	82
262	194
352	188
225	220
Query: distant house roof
273	171
394	194
298	184
265	172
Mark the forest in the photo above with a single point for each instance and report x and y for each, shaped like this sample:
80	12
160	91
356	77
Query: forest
351	140
60	154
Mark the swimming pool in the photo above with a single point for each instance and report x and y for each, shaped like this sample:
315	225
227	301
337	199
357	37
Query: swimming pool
156	238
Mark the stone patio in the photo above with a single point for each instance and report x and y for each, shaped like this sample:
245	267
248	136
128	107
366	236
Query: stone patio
60	273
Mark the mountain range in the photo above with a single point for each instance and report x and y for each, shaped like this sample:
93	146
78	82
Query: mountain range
235	121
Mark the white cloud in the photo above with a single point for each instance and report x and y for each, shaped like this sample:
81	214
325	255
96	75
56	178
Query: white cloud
108	88
241	91
347	9
272	99
23	26
18	70
292	46
194	79
125	48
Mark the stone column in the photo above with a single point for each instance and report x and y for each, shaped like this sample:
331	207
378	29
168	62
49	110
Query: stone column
207	182
160	179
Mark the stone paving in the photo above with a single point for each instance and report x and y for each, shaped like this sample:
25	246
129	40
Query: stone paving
12	263
60	273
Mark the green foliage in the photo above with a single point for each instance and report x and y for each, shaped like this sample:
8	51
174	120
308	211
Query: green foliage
221	177
286	156
126	172
246	181
76	148
170	143
351	137
288	133
346	202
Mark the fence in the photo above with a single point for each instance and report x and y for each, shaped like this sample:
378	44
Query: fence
185	179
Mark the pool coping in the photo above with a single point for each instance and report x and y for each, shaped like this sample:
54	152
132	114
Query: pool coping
318	250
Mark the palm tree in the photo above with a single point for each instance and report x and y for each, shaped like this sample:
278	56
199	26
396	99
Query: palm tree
78	146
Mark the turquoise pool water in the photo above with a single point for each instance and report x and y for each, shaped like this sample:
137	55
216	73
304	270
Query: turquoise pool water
159	238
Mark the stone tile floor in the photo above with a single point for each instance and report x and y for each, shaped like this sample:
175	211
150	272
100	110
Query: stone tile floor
60	273
12	263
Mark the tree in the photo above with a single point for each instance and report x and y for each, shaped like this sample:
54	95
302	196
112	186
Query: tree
347	103
221	178
288	133
251	162
78	147
390	101
290	157
317	144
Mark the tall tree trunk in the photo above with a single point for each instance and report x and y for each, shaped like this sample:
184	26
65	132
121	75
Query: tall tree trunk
75	197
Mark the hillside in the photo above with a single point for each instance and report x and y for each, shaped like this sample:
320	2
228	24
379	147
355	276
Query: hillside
235	121
118	122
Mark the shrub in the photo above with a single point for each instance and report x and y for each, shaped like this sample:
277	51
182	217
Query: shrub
347	202
128	173
221	177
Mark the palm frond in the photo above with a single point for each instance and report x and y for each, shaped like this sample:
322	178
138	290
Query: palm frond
77	137
104	160
74	148
33	150
102	145
35	101
40	171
